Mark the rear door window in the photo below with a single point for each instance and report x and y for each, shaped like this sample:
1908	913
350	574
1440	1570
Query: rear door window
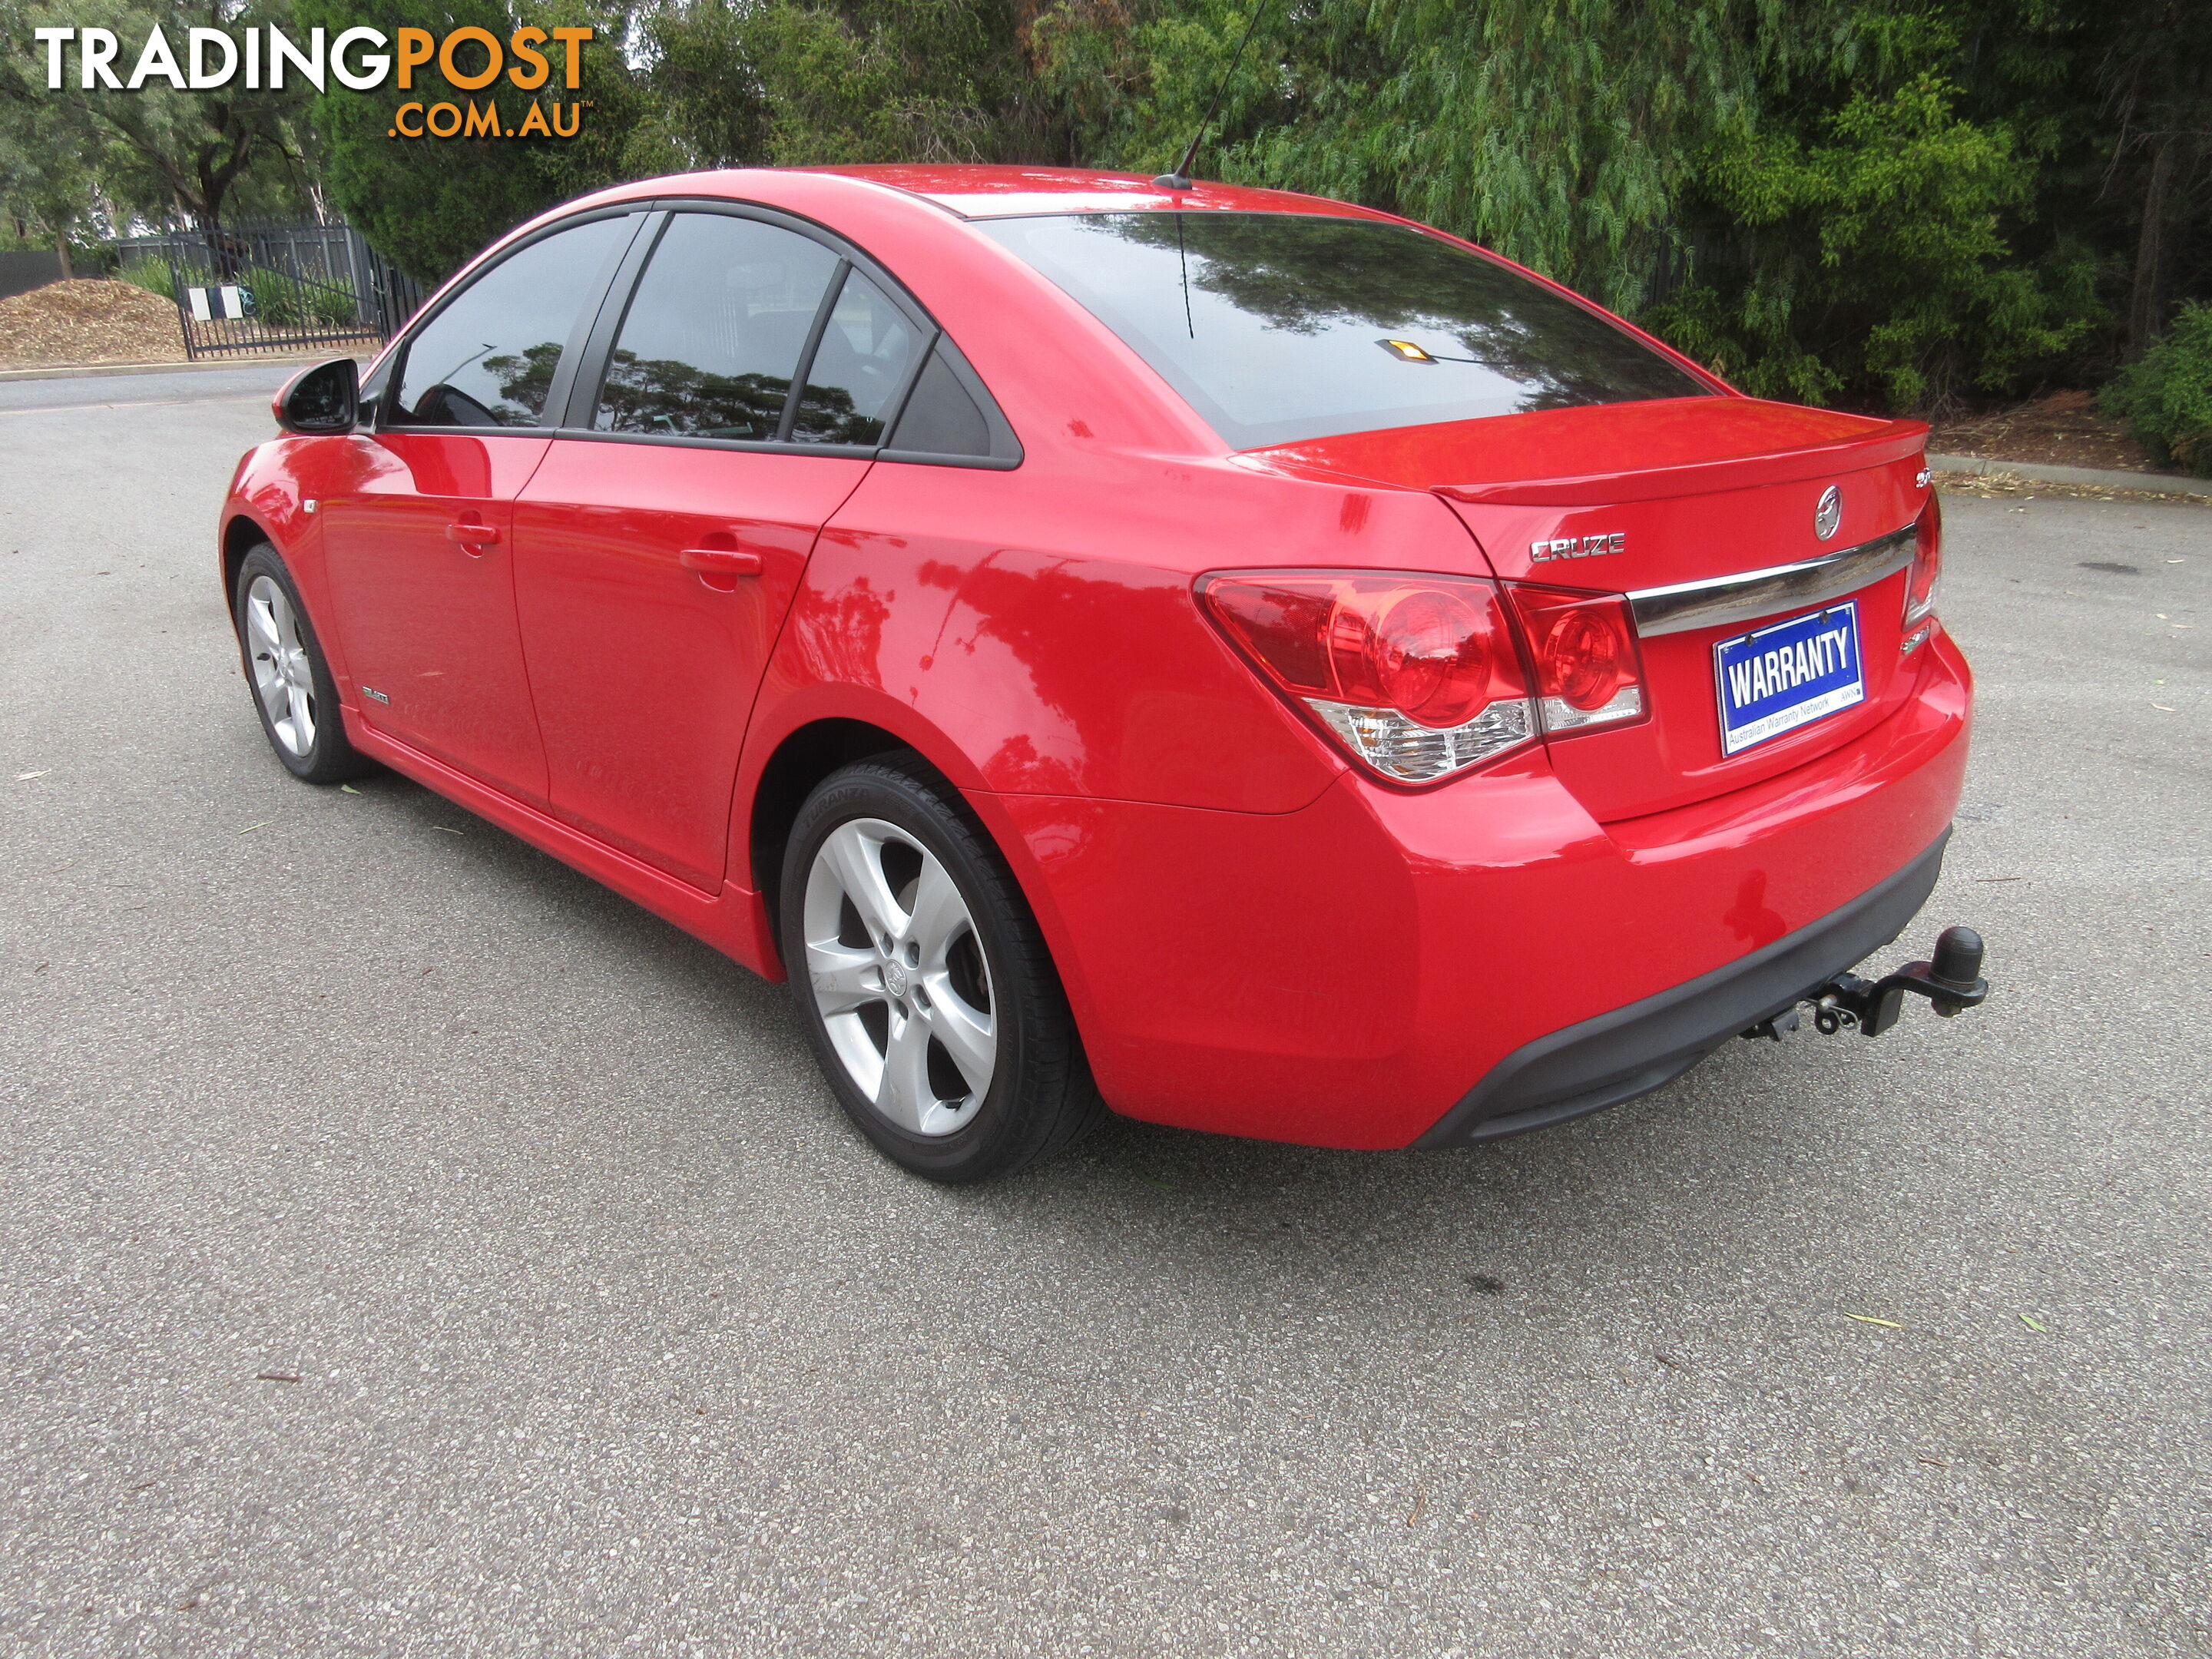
713	338
859	367
488	358
1280	327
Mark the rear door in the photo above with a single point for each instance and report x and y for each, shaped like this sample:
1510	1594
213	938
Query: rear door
417	536
662	539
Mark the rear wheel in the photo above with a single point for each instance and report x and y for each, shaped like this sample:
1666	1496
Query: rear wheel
291	683
923	981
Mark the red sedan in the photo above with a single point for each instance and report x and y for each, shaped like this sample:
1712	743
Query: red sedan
1240	658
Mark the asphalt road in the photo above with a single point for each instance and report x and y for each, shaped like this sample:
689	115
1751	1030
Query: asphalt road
407	1248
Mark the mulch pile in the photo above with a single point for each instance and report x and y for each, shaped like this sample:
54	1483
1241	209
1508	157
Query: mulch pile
64	325
2061	429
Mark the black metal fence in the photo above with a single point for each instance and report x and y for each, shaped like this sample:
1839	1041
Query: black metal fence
262	286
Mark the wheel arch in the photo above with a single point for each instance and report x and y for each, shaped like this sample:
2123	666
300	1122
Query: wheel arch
799	761
241	534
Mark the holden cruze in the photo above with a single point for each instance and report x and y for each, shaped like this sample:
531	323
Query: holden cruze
1238	659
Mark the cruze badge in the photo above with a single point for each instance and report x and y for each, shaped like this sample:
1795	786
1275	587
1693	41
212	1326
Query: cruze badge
1829	514
1578	547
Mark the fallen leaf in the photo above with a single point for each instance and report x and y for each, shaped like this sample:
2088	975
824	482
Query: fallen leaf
1419	1498
348	789
2033	1325
1868	1319
449	831
25	777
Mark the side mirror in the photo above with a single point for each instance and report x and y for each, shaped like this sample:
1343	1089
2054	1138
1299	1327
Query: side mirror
323	399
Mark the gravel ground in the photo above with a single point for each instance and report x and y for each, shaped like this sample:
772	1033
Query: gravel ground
407	1248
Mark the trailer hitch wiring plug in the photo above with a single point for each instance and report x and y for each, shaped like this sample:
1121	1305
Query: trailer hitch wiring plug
1953	982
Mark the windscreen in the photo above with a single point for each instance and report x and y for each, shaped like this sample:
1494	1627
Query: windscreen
1279	327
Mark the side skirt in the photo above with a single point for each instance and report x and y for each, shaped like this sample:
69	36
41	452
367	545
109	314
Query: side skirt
734	922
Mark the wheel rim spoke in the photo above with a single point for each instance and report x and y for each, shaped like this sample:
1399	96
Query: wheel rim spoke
302	721
856	863
268	685
940	916
905	1095
965	1034
260	625
287	632
845	977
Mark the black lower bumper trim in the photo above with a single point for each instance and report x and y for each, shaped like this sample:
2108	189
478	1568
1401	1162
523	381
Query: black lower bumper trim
1633	1050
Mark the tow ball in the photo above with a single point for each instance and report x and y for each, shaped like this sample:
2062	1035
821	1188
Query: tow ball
1951	982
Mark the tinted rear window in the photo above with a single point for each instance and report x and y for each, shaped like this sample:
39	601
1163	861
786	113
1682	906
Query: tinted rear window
1271	325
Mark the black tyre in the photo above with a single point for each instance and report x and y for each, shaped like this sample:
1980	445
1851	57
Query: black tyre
285	670
923	981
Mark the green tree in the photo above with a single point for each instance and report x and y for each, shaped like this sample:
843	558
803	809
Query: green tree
431	203
162	151
798	84
46	183
1786	190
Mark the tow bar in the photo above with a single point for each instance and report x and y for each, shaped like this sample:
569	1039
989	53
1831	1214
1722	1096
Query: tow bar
1951	982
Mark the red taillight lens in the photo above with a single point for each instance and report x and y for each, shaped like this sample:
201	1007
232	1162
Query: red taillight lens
1583	647
1417	676
1927	564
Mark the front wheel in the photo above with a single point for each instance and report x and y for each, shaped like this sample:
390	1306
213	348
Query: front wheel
923	981
293	691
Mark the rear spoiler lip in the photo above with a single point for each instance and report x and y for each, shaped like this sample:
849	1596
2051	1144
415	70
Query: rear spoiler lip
1897	440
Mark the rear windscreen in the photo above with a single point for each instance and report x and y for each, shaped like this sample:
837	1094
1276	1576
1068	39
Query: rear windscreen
1278	327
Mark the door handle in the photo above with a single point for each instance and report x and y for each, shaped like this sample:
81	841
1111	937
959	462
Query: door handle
724	561
471	535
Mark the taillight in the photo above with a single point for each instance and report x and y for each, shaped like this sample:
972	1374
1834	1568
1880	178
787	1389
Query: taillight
1927	567
1417	676
1583	648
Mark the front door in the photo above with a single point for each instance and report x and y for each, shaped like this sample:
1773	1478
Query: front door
418	532
655	561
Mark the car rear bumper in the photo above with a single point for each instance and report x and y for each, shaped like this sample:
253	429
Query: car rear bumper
1387	968
1631	1051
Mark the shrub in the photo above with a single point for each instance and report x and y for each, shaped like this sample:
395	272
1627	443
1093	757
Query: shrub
152	275
280	302
2165	396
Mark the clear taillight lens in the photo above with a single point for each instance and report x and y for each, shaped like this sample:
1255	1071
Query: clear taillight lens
1416	675
1583	647
1926	565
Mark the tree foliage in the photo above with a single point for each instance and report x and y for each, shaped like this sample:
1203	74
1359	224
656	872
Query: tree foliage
430	202
1887	201
1801	194
162	151
2166	395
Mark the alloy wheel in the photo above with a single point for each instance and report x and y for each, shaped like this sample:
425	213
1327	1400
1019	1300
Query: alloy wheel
282	678
899	976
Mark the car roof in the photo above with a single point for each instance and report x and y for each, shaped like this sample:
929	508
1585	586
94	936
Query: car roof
999	192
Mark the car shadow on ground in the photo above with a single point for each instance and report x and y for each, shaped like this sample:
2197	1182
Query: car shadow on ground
1711	1164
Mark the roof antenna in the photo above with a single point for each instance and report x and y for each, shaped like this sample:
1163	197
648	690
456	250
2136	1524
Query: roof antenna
1180	178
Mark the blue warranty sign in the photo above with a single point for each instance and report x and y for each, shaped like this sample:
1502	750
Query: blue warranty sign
1790	675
